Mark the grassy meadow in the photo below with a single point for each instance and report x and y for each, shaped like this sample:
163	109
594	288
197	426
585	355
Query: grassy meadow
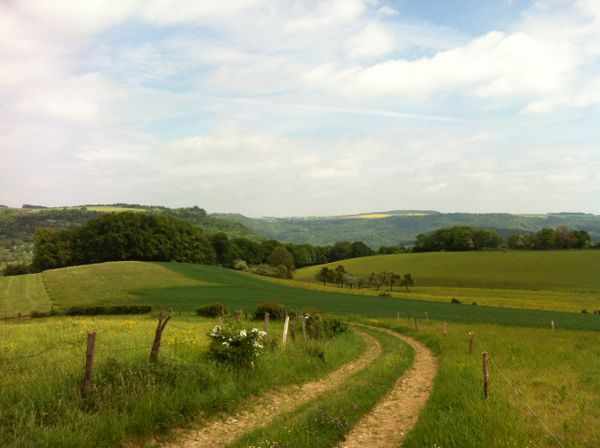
183	287
550	280
555	372
41	364
22	294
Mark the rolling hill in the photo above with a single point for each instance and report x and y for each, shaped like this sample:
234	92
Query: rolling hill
560	280
183	287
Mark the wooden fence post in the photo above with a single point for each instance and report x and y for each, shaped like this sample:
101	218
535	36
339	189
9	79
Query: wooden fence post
285	331
293	332
89	363
238	315
318	329
157	336
398	318
552	324
445	329
416	325
471	341
486	375
426	315
303	322
267	322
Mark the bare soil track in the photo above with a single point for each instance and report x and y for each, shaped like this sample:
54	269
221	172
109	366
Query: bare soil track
387	424
224	430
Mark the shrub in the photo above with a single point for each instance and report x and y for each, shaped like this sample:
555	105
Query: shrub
455	300
240	265
584	311
275	310
333	326
212	310
107	309
16	269
279	271
36	314
236	347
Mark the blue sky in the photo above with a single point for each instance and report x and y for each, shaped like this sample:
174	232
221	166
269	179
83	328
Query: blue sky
319	107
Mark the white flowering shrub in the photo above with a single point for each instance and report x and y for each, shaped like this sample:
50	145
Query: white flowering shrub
238	347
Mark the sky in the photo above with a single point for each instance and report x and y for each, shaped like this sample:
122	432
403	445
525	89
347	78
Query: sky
296	108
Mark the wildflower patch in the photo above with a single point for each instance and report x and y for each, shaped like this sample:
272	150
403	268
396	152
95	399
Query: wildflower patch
238	347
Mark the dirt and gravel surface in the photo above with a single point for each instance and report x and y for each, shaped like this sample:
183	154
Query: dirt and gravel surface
224	430
387	424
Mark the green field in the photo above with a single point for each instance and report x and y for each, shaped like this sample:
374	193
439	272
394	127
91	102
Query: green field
110	283
554	372
41	365
184	287
552	280
22	294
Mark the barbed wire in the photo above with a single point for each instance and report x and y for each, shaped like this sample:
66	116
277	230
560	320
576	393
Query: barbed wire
519	395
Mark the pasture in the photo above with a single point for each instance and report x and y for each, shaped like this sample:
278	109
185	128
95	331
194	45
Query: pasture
553	372
550	280
183	287
22	294
41	365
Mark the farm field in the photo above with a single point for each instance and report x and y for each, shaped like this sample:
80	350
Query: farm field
554	372
42	360
552	280
22	294
111	282
184	287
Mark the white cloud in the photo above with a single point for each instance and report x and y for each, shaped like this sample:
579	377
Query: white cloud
374	40
169	12
325	13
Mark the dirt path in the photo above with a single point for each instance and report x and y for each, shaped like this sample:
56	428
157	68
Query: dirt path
389	421
219	432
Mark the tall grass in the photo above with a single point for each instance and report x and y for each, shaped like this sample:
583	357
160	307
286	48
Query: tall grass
555	372
40	402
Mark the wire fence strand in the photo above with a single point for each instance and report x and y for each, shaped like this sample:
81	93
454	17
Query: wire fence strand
519	395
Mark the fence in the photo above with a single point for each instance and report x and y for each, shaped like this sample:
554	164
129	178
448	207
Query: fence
487	361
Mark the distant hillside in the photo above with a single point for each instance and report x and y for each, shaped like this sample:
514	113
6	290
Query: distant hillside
393	227
18	225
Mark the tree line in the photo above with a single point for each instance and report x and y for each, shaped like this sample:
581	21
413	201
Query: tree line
463	238
341	278
162	237
560	238
155	237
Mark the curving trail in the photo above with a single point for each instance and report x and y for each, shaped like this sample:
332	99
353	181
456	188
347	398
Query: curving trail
219	432
387	424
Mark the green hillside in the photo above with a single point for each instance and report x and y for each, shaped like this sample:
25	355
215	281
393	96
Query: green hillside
394	227
18	225
22	294
562	280
184	287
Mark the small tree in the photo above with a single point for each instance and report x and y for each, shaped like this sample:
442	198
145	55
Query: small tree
339	274
325	275
407	280
394	279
